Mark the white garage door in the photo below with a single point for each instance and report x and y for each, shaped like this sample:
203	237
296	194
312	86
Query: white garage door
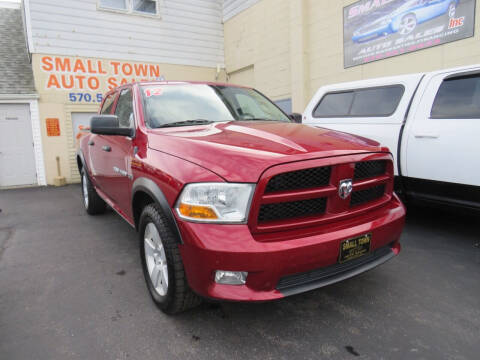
17	159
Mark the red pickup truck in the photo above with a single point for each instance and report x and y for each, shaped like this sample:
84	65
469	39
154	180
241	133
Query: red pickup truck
231	198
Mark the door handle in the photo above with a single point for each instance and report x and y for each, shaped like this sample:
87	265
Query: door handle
91	143
426	136
106	148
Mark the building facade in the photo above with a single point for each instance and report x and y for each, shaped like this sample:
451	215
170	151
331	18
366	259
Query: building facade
289	48
81	49
285	48
21	151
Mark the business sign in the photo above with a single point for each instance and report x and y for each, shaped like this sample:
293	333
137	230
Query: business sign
379	29
70	73
85	80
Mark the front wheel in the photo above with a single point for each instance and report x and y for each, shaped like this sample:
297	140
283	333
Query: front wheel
93	203
408	24
162	264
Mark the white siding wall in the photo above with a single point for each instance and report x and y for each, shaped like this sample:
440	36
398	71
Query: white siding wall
188	32
233	7
37	143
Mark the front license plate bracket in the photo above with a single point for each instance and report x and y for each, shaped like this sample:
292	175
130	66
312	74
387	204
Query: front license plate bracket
354	248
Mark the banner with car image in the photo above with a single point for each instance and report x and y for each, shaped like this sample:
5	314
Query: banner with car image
379	29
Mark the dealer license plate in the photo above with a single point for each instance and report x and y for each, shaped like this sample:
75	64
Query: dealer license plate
354	248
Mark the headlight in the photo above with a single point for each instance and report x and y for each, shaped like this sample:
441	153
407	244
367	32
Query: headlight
215	202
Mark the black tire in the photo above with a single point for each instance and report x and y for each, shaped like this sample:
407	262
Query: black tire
92	202
179	297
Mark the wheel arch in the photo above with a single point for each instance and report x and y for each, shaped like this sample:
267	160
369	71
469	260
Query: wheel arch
411	13
145	191
80	160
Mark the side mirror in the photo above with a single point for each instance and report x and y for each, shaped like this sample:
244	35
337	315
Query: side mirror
108	125
296	117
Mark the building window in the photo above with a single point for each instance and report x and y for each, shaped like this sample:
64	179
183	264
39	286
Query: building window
114	4
145	6
136	7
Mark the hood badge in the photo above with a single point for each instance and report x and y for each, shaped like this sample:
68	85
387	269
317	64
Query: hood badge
345	188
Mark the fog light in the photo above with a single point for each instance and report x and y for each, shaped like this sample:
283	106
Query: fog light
231	277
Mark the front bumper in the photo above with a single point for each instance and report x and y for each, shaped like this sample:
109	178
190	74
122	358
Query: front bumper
280	268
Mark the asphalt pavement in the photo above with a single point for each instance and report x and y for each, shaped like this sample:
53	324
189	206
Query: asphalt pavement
71	287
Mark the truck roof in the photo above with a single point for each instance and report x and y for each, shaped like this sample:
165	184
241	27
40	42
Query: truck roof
398	78
174	82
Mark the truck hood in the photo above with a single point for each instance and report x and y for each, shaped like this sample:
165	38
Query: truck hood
240	151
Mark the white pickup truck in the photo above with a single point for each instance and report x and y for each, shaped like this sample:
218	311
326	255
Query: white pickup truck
430	122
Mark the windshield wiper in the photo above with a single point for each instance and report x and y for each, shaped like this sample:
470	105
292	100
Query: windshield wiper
187	123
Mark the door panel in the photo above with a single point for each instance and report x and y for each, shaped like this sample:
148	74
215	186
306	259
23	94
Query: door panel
118	175
117	161
110	167
446	148
17	158
98	159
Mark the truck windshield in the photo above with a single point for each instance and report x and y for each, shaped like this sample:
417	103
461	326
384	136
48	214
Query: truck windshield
194	104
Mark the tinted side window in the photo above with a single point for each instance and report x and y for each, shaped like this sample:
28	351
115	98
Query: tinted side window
458	98
108	104
381	101
336	104
377	102
124	109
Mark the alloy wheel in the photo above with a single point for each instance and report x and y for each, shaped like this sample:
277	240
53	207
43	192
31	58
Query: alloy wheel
85	190
156	259
408	24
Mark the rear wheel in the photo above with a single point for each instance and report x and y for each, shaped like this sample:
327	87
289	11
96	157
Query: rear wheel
408	24
93	203
162	264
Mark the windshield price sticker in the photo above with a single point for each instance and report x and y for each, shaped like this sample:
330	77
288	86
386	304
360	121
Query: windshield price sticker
153	92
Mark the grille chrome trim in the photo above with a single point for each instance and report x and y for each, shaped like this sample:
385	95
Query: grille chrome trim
298	195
